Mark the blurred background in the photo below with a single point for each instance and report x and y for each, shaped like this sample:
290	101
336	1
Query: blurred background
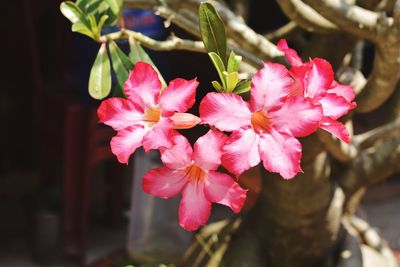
64	200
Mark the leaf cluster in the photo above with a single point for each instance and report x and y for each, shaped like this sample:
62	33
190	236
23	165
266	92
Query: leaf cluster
213	34
88	17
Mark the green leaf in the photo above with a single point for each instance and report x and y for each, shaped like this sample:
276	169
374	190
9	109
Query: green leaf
219	65
233	62
88	6
242	87
72	12
100	75
98	8
103	8
137	53
126	61
81	28
112	18
231	80
80	23
212	30
101	23
217	86
93	26
81	4
121	64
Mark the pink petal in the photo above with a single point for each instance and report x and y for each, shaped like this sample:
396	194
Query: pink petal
336	128
280	153
270	86
161	135
227	112
319	78
179	96
178	156
119	113
184	120
290	54
143	86
298	116
163	182
335	106
194	209
240	152
208	149
124	144
299	72
343	90
221	188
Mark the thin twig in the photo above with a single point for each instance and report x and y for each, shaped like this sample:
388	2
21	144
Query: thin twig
282	32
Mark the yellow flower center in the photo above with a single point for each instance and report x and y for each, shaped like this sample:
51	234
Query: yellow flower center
260	121
195	173
152	116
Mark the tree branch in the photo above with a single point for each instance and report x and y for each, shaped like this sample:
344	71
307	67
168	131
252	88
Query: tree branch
349	18
338	149
237	30
282	32
173	43
372	165
384	77
368	139
305	16
382	31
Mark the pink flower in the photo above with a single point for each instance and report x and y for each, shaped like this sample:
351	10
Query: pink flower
315	80
148	116
193	172
266	128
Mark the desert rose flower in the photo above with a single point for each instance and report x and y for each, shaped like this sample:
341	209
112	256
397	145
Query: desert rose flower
148	116
264	129
315	80
193	172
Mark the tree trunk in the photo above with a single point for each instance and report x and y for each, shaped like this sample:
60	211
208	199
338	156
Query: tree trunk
292	215
295	223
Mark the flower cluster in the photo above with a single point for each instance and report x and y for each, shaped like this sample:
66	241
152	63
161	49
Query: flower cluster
284	104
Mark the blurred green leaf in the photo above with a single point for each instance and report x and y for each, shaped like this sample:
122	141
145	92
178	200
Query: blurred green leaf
88	6
98	8
80	22
219	65
242	87
81	28
233	62
81	4
137	53
115	6
101	23
100	75
72	12
212	30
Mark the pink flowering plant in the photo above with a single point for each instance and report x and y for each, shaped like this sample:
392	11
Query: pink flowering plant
284	105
